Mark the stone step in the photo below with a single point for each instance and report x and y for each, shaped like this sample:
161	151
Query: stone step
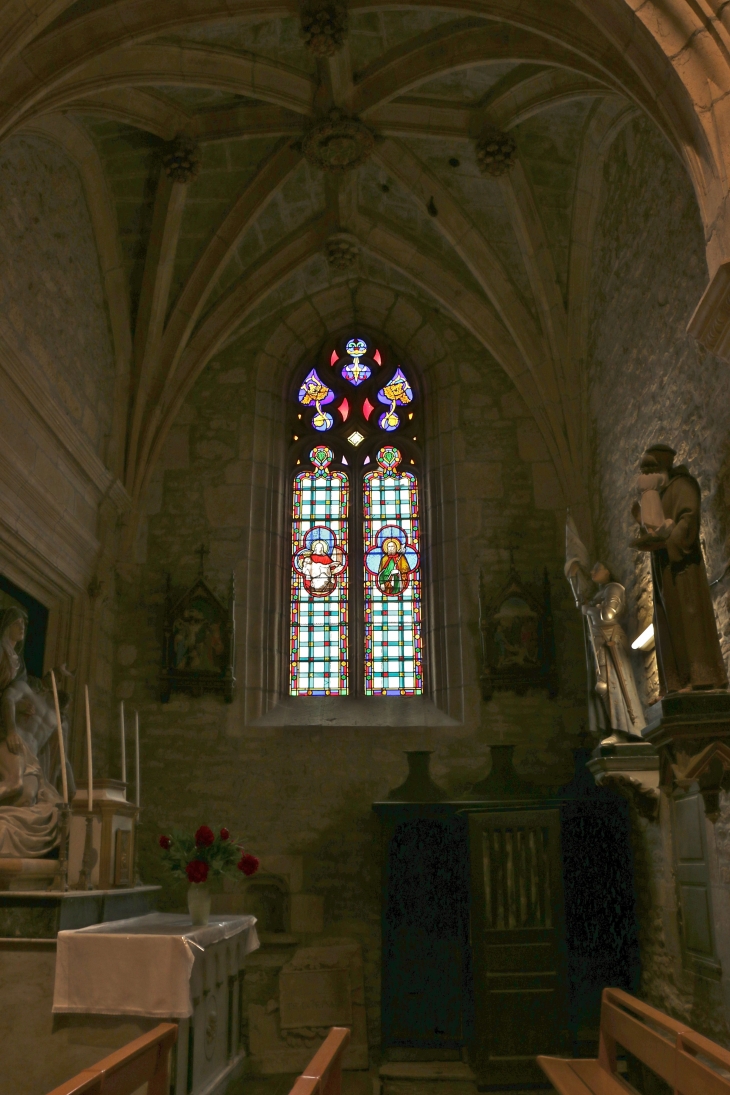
427	1078
426	1070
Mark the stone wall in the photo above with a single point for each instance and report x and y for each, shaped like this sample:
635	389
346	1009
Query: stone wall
57	375
648	381
306	791
51	296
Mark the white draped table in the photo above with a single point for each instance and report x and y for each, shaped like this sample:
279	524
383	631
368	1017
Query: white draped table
161	967
141	966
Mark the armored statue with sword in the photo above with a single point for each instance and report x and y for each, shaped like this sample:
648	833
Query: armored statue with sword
615	710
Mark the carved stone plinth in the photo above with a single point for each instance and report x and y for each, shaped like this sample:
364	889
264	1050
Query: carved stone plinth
691	733
28	874
632	770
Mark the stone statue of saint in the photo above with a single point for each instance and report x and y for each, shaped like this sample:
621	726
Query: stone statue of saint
687	645
615	711
28	800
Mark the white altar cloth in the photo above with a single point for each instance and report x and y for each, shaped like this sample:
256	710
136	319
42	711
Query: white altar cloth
140	966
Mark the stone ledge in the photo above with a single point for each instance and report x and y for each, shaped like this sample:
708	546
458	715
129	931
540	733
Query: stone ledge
402	711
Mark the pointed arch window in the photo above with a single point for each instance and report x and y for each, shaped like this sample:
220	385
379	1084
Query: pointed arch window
356	590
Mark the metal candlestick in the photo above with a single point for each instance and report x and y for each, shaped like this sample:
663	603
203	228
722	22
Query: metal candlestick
87	863
64	815
135	875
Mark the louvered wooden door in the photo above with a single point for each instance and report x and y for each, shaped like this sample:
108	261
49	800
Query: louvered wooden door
518	943
694	888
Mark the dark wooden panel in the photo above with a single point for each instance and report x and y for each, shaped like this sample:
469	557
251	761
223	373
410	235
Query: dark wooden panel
425	928
517	931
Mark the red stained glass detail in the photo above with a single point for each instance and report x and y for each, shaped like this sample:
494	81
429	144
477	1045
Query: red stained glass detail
344	409
376	358
367	409
333	359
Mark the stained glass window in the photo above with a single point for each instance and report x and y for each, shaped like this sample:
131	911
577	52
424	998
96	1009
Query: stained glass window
393	643
318	655
355	423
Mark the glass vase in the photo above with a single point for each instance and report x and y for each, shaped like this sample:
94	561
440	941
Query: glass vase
199	902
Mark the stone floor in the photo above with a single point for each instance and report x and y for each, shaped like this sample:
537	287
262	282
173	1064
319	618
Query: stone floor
379	1082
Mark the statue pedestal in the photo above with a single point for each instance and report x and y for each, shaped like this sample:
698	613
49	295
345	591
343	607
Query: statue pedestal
691	733
632	769
28	874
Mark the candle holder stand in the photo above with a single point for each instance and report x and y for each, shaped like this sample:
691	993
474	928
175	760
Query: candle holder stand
87	862
135	873
64	820
113	835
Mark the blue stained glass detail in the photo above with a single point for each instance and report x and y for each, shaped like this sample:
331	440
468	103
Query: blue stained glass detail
315	393
356	372
397	392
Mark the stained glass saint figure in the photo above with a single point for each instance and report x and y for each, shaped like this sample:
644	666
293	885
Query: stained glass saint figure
397	392
392	561
394	573
314	392
319	562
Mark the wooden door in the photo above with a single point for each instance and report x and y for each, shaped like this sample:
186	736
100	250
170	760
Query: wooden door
518	943
694	894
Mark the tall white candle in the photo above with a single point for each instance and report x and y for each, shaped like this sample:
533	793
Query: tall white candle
89	762
136	757
61	746
124	742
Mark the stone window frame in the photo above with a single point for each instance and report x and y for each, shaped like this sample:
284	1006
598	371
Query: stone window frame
262	577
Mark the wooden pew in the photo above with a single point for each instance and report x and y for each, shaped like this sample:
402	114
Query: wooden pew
669	1048
145	1060
323	1074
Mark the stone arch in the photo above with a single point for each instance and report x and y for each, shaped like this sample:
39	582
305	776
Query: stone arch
261	577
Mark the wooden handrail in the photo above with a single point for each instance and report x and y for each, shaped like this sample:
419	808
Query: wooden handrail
145	1060
323	1074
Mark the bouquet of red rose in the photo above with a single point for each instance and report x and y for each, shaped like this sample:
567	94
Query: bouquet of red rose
196	857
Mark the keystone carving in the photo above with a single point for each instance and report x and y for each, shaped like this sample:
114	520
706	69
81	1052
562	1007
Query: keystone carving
324	26
181	159
342	250
496	152
338	142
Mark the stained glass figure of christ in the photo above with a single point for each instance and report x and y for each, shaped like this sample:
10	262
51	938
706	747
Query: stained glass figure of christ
318	654
393	643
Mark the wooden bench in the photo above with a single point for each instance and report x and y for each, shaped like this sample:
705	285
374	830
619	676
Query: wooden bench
323	1074
669	1048
146	1060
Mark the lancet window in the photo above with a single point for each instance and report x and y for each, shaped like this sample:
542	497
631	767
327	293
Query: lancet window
356	591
